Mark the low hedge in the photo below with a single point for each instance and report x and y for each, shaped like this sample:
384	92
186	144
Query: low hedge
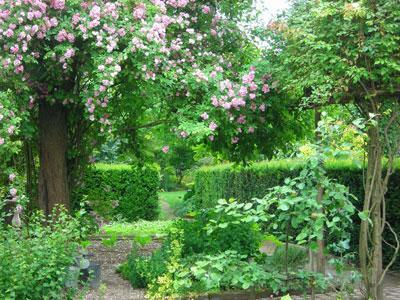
121	190
244	183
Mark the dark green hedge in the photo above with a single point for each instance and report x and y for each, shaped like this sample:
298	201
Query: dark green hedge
244	183
123	190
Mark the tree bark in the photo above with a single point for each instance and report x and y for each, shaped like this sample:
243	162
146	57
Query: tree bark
370	247
53	137
320	257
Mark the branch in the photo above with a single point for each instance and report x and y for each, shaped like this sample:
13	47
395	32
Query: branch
148	125
396	251
354	97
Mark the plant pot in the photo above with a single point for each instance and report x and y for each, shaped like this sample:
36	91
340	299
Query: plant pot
92	275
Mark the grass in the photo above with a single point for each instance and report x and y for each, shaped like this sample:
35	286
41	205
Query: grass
139	228
174	200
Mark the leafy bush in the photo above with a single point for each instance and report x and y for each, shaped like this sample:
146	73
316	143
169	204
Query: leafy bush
142	270
121	190
244	238
35	260
245	183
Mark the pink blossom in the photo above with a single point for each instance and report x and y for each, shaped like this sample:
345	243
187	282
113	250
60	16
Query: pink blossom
252	96
213	32
95	12
101	68
214	101
213	126
211	138
204	116
250	130
241	119
206	9
69	53
243	91
14	49
76	18
139	12
265	88
58	4
11	130
11	177
184	134
235	140
1	141
165	149
262	107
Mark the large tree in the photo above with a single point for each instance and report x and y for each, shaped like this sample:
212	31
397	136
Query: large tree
340	52
77	66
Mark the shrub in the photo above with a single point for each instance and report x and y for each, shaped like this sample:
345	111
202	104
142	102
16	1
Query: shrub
244	238
121	190
34	261
244	183
142	270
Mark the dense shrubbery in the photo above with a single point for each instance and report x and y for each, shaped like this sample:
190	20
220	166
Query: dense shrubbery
121	190
35	259
213	183
218	250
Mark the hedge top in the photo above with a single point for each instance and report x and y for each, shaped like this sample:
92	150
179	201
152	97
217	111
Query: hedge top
287	164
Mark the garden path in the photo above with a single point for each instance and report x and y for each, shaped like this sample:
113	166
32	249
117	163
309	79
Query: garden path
112	286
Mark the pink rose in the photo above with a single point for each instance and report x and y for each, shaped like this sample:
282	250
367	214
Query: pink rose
206	9
165	149
213	126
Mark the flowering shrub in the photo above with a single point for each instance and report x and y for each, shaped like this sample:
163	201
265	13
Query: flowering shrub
10	184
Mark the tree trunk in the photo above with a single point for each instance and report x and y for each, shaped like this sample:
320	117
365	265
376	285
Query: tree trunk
370	248
320	257
53	136
321	244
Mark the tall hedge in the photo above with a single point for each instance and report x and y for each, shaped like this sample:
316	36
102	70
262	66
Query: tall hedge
244	183
121	190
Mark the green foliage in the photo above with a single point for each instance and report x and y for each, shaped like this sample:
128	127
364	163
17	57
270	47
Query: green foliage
121	190
140	271
297	258
245	183
34	261
342	50
244	238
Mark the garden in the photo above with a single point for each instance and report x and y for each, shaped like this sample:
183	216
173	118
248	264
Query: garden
182	149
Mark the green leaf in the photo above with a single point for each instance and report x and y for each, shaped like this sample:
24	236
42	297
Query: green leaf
248	206
283	206
363	215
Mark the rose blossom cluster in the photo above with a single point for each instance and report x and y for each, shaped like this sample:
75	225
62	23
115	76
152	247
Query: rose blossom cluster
8	128
242	103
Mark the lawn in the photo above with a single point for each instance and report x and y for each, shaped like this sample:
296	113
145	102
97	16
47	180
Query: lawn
169	202
139	228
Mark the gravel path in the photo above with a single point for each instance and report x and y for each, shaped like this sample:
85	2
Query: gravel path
112	286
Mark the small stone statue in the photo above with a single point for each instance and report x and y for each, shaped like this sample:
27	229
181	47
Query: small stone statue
16	220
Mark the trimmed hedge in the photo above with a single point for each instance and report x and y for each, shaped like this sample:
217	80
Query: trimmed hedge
121	190
244	183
